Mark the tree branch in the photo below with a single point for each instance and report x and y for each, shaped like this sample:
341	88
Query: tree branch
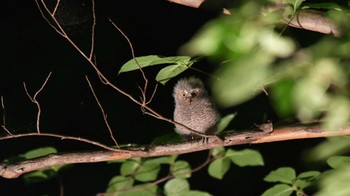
307	19
14	170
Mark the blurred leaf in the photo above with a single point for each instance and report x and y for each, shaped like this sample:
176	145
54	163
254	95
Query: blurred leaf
338	114
332	146
279	189
282	174
335	182
119	183
225	121
148	171
338	161
237	82
176	186
245	157
181	169
219	167
282	94
324	5
146	61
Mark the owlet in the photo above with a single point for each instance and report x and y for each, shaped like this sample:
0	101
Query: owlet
194	108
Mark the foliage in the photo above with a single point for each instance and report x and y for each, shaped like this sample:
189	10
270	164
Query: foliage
137	176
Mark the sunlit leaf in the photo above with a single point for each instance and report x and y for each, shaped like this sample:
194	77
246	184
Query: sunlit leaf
245	157
39	152
219	167
279	189
165	74
119	183
181	169
282	174
148	171
130	166
225	121
176	186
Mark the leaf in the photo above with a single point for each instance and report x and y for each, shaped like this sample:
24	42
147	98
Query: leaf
165	74
148	171
245	157
130	166
217	151
279	189
309	175
338	161
282	174
219	167
225	121
39	152
119	182
181	169
39	176
146	61
139	190
176	186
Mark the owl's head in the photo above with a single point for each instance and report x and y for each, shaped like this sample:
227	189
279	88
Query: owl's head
189	89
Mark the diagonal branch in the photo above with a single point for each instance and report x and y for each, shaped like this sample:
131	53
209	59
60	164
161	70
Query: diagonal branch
103	112
14	170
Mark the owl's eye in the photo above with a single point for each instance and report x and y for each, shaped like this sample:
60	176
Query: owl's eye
184	93
194	93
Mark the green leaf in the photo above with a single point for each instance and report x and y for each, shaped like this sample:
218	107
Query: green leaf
338	161
181	169
146	61
217	151
176	186
309	175
139	190
39	176
245	157
39	152
119	183
219	167
148	171
225	121
163	160
279	189
130	166
282	174
165	74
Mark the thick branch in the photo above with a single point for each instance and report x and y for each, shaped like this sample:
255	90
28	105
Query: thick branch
229	139
307	19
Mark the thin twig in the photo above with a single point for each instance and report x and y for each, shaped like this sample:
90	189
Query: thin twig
4	116
107	82
144	91
93	30
35	101
102	111
63	137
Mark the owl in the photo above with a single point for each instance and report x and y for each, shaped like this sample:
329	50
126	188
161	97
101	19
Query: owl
194	108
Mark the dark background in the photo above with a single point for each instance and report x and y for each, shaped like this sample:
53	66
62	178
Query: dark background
30	49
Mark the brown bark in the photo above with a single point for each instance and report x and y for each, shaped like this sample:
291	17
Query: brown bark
229	139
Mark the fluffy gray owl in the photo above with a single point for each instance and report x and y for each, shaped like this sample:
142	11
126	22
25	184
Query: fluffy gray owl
194	108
